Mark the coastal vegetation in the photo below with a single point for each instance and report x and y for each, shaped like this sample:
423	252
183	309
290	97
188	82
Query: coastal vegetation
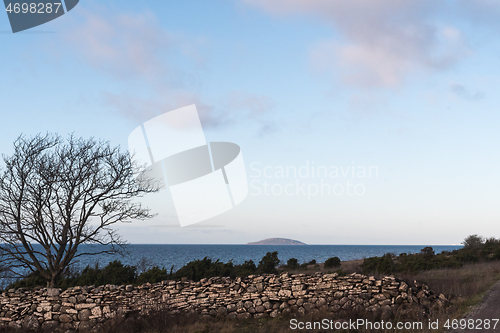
476	250
462	275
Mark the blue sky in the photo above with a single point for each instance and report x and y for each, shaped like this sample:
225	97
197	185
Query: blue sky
410	88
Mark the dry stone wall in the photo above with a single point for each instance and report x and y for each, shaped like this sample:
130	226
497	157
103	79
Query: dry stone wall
82	308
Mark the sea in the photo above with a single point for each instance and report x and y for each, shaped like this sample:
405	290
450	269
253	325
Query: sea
176	256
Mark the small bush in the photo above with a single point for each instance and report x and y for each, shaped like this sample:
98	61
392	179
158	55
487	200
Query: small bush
383	265
292	264
34	279
205	268
114	273
303	266
332	262
153	275
245	269
269	263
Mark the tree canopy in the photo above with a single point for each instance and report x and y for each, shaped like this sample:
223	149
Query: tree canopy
61	193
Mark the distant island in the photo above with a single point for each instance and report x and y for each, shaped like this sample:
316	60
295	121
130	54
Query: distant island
277	241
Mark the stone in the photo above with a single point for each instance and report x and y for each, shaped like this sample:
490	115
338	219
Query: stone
67	326
301	311
222	311
52	292
385	302
30	323
274	314
65	318
50	325
320	302
307	306
244	315
232	315
14	325
96	312
260	309
84	314
85	325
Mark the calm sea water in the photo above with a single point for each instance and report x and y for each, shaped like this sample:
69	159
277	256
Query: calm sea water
178	255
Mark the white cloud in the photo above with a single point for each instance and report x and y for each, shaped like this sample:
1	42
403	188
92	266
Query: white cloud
382	41
135	48
123	45
234	107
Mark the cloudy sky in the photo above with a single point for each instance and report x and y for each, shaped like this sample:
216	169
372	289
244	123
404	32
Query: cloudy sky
360	122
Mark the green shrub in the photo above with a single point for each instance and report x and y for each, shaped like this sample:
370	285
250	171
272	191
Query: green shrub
312	262
292	264
153	275
205	268
245	269
32	280
303	266
427	252
269	263
332	262
383	265
114	273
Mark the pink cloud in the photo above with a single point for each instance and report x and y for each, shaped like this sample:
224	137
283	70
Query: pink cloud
382	41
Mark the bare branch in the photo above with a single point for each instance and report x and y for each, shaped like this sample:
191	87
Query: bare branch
51	189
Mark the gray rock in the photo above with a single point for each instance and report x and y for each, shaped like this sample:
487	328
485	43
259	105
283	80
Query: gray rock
222	311
30	323
50	325
65	318
52	292
244	315
84	314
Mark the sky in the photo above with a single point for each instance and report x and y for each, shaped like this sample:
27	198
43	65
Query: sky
359	122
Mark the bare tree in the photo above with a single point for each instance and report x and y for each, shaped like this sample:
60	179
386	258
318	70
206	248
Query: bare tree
61	193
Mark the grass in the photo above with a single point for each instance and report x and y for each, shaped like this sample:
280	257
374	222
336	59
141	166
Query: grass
465	285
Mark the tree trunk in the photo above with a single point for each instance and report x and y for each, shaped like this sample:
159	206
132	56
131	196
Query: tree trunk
52	283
